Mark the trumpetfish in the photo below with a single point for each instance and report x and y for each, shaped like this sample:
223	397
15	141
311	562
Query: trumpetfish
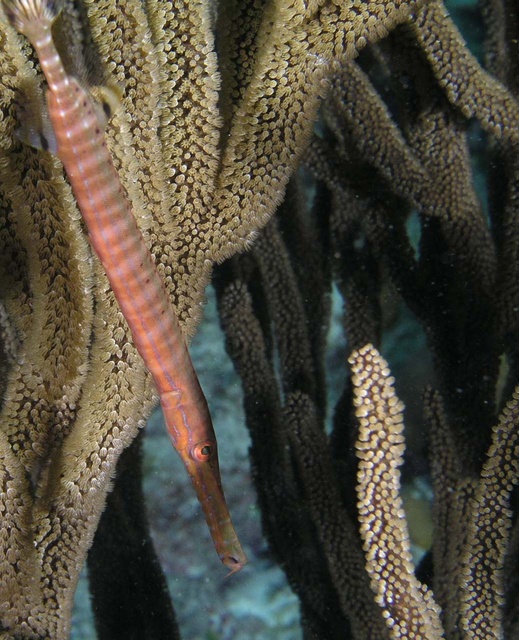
79	142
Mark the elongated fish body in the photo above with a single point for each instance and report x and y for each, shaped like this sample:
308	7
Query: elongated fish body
137	286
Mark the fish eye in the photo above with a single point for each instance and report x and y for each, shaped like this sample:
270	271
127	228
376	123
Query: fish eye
202	451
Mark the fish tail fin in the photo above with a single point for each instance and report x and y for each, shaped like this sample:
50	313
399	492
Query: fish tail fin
26	16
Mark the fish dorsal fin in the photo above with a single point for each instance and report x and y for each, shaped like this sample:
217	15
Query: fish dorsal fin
107	100
35	126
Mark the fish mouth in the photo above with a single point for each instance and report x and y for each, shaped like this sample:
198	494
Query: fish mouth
234	564
205	477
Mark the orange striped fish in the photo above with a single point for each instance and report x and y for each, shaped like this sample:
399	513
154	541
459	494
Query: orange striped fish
113	232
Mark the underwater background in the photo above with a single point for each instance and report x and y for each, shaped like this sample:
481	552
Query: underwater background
257	603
